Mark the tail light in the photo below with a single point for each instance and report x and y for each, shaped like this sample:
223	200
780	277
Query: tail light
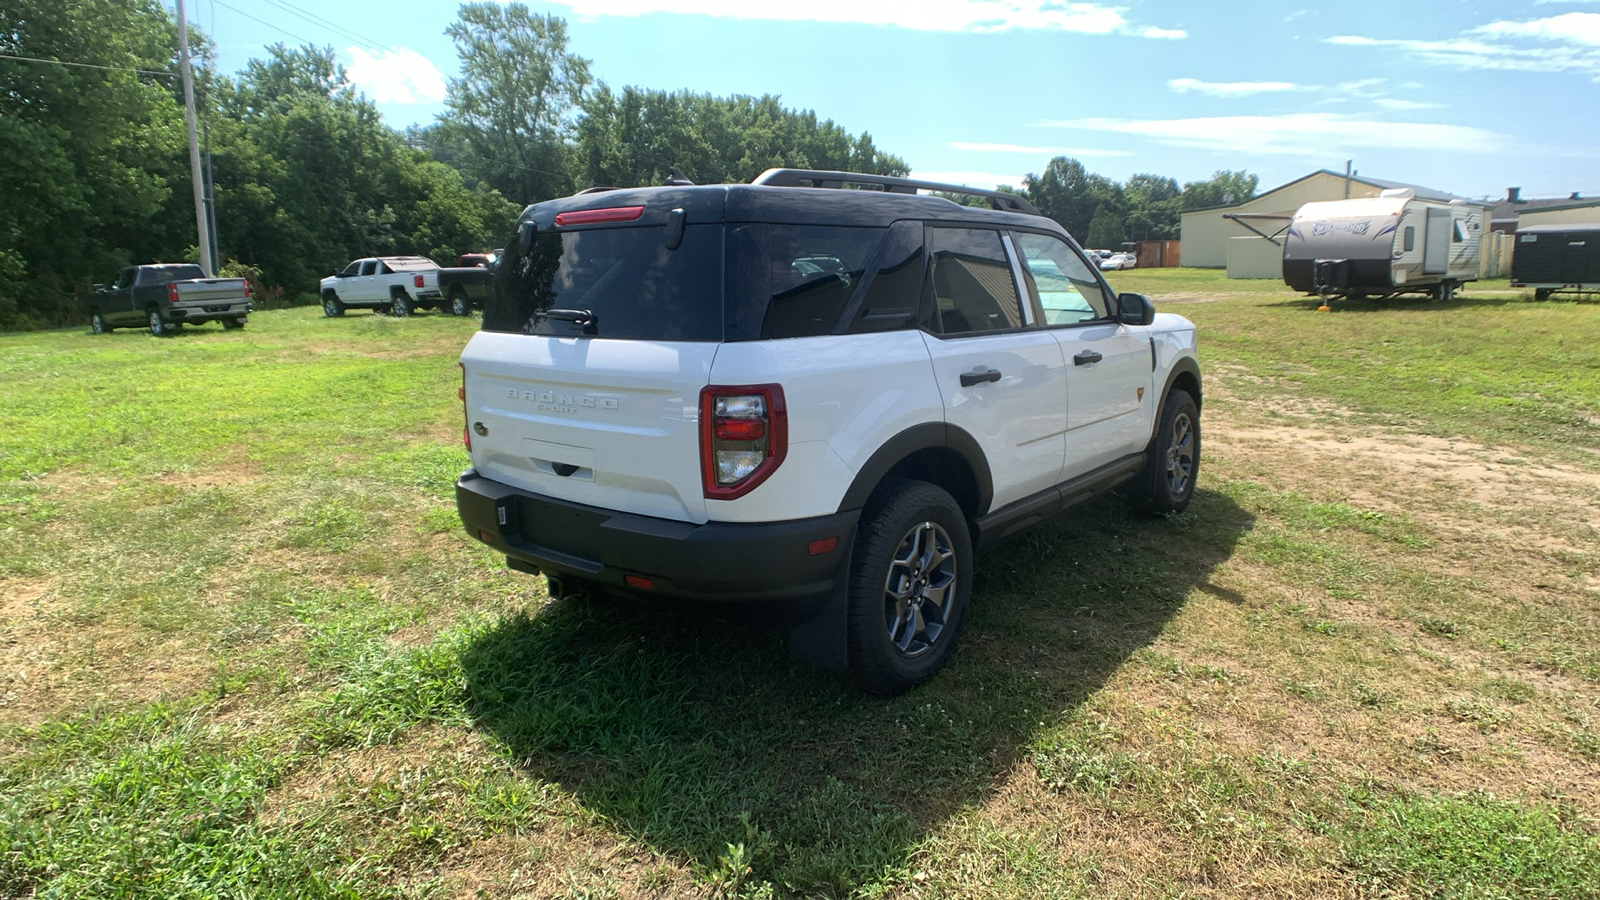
466	429
416	280
172	293
744	434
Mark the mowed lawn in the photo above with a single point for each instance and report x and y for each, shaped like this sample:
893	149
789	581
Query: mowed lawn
245	649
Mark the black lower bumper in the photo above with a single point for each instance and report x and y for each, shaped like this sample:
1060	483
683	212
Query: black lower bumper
766	572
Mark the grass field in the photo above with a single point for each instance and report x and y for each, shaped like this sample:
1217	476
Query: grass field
246	651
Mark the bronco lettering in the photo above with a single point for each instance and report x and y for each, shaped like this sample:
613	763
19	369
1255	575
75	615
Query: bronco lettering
563	402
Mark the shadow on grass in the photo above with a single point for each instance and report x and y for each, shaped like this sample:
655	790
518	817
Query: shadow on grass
1405	303
691	735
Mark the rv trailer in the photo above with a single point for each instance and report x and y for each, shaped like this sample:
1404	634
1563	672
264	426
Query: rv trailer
1394	243
1553	258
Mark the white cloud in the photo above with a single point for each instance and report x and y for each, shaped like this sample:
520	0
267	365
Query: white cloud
1230	88
1572	28
1311	135
1397	104
396	75
929	15
985	180
1038	151
1566	43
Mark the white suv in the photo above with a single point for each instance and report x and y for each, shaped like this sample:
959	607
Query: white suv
809	407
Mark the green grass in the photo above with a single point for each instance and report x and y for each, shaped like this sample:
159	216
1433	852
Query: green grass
247	651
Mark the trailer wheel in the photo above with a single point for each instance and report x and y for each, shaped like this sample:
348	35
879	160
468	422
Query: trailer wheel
1541	294
1445	292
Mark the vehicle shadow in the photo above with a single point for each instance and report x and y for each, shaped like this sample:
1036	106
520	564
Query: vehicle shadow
1417	304
691	735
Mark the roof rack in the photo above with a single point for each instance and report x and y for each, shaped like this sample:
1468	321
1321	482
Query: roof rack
825	179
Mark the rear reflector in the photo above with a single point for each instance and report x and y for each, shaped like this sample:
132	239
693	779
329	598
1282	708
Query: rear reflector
824	545
639	581
596	216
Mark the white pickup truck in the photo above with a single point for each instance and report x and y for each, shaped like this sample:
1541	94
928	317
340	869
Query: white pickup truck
397	285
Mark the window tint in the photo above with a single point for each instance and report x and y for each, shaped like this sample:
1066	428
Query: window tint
1410	238
625	278
368	267
1059	281
789	281
352	270
894	294
972	284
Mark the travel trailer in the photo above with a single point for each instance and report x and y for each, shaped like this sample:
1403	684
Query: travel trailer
1394	243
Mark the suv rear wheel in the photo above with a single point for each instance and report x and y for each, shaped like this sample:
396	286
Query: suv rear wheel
910	582
1173	460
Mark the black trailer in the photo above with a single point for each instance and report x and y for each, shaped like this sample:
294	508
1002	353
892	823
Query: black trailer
1552	258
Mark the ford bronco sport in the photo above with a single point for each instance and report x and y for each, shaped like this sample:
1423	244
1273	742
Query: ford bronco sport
809	406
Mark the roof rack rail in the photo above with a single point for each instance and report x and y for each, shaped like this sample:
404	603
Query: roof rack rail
826	179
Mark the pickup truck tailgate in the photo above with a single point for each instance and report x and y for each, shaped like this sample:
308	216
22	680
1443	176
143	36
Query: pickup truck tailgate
209	291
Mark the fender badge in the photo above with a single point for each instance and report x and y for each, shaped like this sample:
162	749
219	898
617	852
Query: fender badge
1141	393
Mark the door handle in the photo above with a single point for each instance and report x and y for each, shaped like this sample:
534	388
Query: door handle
1086	357
968	379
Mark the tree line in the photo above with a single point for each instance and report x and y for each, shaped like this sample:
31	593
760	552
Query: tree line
307	175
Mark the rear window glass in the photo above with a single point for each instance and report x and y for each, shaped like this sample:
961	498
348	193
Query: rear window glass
630	285
169	274
787	281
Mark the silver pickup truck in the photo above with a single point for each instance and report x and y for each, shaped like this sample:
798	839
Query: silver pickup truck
165	296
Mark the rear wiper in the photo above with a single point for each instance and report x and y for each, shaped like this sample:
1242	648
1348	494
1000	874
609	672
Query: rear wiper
583	318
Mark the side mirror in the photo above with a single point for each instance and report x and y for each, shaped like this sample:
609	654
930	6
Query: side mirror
1135	309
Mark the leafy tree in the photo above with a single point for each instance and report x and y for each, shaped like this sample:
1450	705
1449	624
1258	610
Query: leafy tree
1105	229
636	136
1070	194
1154	203
92	155
514	109
1225	188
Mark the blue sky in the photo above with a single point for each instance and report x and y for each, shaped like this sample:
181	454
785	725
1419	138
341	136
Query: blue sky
1464	96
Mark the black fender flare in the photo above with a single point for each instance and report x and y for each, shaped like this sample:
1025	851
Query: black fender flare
927	436
1185	365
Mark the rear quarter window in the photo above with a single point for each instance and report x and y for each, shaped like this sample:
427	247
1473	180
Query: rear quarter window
788	281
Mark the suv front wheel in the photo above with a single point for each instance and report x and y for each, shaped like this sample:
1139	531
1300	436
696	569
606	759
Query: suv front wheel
910	582
1166	484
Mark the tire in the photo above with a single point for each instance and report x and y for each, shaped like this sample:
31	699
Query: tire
460	303
97	323
233	324
160	328
332	307
1542	294
1445	292
910	584
1172	462
400	305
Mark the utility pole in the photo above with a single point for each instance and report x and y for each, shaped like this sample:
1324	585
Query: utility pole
211	199
194	146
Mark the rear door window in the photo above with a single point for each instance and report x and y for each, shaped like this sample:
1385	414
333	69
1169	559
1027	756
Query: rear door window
973	288
621	283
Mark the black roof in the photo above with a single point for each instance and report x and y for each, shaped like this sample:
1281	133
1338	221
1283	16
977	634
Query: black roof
734	203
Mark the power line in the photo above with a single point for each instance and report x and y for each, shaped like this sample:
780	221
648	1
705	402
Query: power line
278	28
60	62
324	23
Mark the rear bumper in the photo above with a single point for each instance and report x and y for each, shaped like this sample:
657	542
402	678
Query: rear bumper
208	312
762	572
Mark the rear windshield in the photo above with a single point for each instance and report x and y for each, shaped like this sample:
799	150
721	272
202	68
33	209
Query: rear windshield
736	283
169	274
626	281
